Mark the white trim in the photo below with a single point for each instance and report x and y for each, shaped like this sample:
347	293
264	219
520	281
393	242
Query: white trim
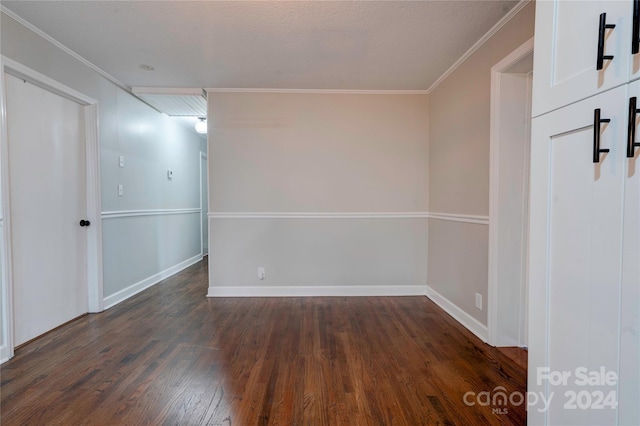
315	291
463	218
18	70
470	323
136	288
62	47
6	280
451	217
203	156
317	91
494	182
318	215
153	212
501	23
94	206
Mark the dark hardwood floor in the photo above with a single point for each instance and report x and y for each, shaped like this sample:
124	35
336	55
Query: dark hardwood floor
171	356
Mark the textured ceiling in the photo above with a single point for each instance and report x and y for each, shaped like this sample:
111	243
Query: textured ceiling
378	45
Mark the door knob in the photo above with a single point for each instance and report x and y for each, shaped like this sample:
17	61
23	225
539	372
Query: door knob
84	223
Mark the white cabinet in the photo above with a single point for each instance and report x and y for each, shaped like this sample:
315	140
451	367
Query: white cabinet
584	253
567	36
575	252
629	393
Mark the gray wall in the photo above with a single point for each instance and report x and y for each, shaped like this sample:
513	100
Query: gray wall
134	248
459	168
319	153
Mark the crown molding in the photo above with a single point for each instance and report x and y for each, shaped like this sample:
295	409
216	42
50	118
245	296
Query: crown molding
62	47
501	23
317	91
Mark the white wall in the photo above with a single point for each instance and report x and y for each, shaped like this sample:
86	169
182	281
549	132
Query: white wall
151	144
459	169
321	155
136	250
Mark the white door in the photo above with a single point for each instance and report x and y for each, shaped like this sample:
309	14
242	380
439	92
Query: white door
630	301
567	38
204	204
47	169
575	256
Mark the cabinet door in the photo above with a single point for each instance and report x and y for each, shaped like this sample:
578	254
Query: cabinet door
629	393
575	255
566	50
634	63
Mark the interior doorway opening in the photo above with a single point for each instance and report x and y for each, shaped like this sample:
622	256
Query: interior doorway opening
510	147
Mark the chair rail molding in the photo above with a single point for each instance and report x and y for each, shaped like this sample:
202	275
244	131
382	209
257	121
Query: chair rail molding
150	212
452	217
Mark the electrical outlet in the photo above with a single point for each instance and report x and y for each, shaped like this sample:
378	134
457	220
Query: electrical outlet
121	161
261	273
479	301
120	190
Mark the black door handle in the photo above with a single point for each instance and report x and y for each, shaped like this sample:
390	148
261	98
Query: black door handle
601	34
84	223
635	33
596	135
631	128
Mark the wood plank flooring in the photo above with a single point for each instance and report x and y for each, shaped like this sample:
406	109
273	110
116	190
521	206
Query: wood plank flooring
171	356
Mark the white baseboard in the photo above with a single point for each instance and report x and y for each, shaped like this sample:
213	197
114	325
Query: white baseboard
312	291
472	324
136	288
4	354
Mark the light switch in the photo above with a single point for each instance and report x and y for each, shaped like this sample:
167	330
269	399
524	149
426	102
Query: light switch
121	161
169	174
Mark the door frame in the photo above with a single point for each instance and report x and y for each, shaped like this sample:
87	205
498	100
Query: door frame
94	208
203	217
494	201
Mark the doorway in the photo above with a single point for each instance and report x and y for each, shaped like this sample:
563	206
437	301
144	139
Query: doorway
204	204
509	198
51	205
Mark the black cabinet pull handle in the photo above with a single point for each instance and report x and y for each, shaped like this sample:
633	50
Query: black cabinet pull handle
631	128
601	33
596	135
635	33
84	223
